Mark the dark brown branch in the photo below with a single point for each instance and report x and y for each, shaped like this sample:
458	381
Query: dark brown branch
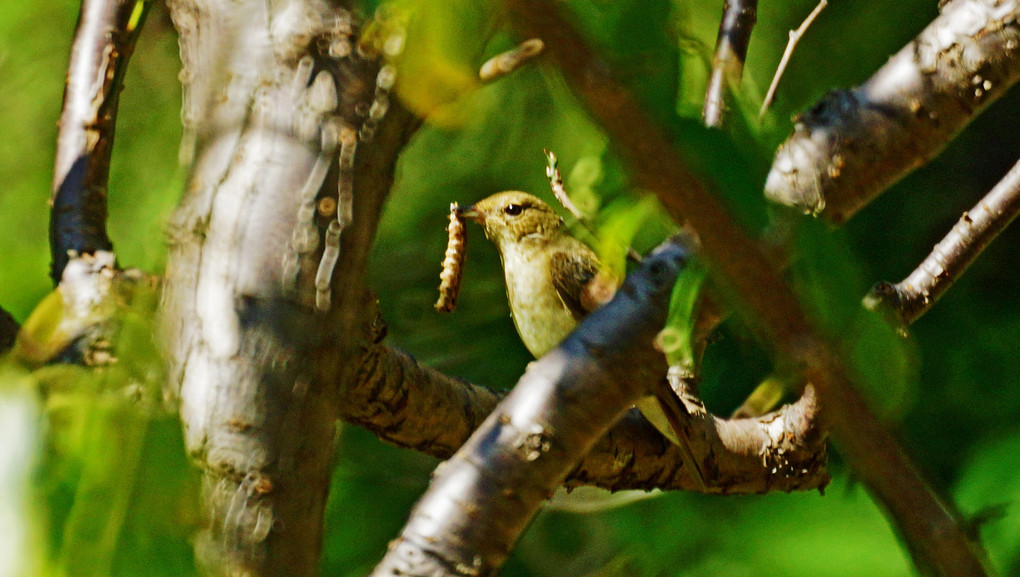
103	43
481	499
916	294
854	144
935	538
414	406
738	20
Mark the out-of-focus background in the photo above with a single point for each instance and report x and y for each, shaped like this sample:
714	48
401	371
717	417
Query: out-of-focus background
109	492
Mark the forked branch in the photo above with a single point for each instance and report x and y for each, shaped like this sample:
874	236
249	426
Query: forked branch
934	536
417	407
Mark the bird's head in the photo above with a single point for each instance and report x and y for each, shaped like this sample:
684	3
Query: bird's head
511	216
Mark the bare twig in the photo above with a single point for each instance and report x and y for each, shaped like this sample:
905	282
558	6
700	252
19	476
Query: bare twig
103	44
552	172
916	294
504	63
795	36
934	536
738	20
854	144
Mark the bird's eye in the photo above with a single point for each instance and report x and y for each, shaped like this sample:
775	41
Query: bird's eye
513	209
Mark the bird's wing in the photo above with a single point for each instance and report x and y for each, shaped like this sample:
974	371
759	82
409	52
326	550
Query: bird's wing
572	273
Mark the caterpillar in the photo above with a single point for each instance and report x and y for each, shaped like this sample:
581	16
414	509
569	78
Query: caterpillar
453	263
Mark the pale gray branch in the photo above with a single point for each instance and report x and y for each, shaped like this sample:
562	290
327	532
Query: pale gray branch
274	94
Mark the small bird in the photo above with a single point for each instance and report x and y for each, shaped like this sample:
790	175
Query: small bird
553	281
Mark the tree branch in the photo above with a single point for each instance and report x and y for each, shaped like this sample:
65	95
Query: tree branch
481	499
417	407
854	144
932	532
976	229
738	20
103	43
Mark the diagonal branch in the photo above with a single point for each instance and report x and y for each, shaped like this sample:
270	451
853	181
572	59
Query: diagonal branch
738	19
103	43
481	499
976	229
414	406
854	144
935	538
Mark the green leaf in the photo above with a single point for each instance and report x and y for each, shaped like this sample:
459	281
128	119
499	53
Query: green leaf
675	340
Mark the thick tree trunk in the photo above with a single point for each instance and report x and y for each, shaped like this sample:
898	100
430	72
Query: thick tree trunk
257	336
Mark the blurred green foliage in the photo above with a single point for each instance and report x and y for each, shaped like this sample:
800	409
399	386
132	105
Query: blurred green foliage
112	489
951	393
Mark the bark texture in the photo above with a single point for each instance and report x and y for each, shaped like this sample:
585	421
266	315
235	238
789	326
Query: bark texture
910	298
414	406
481	499
278	96
854	144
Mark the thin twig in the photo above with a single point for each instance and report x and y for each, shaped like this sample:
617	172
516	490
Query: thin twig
738	21
552	171
504	63
103	43
795	36
915	295
936	539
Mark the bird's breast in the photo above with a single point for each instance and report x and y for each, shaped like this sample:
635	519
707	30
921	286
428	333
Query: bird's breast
541	318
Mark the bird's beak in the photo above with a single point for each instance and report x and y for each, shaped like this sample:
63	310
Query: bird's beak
472	214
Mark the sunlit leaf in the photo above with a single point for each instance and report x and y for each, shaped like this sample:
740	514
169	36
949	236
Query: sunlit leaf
675	340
